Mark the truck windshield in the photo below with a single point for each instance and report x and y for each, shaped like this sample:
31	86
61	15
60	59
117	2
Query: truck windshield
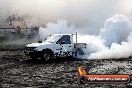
52	38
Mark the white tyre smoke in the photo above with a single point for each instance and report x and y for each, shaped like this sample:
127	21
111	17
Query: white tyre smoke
113	41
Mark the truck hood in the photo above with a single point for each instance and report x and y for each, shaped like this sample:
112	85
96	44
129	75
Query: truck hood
37	44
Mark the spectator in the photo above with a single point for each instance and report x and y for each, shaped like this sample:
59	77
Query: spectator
18	29
13	30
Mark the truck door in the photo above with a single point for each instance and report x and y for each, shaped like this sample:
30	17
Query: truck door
65	46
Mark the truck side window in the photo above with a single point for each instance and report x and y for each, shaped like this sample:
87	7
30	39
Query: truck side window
64	38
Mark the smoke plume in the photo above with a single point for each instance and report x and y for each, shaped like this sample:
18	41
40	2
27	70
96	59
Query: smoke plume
113	41
117	38
89	15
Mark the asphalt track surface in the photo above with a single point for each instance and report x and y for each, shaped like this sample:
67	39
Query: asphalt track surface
19	71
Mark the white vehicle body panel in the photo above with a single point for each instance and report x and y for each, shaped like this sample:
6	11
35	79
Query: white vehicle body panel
60	44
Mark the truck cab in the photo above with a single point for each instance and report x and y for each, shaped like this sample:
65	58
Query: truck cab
57	45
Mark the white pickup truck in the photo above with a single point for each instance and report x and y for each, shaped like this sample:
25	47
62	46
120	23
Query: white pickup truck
57	45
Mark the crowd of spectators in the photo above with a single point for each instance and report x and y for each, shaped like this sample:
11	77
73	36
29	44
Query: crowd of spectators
17	25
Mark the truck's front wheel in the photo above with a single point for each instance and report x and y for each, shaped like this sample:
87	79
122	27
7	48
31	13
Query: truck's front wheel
46	56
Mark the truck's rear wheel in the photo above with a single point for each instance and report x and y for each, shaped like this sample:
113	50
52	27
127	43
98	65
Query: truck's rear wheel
46	56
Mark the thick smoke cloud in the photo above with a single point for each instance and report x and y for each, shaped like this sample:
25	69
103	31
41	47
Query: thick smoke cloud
117	38
113	41
116	29
56	28
86	14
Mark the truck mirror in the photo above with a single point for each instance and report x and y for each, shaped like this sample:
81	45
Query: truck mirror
62	42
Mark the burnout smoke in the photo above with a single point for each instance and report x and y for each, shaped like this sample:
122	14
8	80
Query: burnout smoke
86	14
117	38
56	28
113	41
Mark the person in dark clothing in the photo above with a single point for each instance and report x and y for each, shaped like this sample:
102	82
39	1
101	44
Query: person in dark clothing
18	30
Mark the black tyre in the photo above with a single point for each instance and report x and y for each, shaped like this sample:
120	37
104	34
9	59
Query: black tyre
46	55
